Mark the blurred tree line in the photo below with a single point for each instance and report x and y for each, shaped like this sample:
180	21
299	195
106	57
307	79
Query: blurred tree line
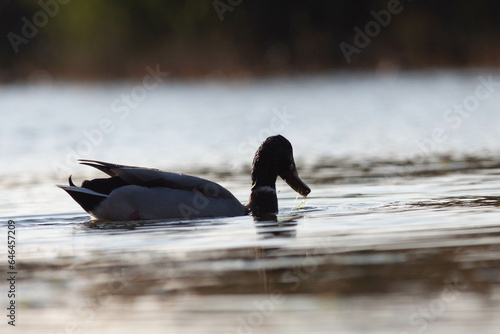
97	39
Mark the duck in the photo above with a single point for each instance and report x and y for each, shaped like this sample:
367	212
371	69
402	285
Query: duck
139	193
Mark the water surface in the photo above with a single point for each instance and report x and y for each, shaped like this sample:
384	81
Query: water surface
399	235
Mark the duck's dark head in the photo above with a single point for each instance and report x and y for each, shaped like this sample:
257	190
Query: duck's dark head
273	158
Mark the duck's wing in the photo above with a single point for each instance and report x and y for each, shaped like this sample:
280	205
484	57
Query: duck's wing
149	177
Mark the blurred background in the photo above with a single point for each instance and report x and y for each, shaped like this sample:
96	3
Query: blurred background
96	40
392	109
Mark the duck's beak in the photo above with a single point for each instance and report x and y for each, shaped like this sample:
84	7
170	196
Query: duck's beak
294	181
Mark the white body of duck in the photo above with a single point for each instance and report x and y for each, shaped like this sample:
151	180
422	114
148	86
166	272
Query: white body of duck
133	193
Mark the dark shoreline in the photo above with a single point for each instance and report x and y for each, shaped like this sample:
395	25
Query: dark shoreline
95	41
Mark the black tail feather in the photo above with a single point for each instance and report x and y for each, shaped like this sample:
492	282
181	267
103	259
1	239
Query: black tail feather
107	167
104	169
87	201
71	182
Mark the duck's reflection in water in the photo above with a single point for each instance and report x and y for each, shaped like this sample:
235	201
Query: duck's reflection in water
270	226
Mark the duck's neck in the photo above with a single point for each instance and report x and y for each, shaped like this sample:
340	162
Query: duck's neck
263	200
